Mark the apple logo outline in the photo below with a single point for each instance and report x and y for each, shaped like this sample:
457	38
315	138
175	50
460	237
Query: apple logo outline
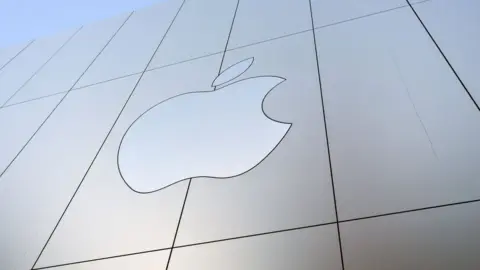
243	65
228	81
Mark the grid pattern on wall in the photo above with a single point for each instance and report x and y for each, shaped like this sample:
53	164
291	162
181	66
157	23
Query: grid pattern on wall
366	157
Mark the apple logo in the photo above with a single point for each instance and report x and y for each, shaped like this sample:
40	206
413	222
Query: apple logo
218	134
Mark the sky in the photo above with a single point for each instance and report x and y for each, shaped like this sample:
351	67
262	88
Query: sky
23	20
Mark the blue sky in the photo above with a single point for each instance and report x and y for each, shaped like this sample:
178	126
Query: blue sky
23	20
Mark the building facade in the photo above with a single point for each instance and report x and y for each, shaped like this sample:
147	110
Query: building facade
246	134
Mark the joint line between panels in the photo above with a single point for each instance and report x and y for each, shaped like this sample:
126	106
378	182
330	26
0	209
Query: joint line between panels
41	67
228	39
100	259
262	234
443	55
114	123
54	109
255	235
410	211
215	53
178	224
326	135
190	180
17	54
190	245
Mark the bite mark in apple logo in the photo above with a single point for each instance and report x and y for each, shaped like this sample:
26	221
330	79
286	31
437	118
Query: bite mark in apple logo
221	133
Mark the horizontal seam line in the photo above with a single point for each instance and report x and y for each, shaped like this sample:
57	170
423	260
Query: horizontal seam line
266	233
212	54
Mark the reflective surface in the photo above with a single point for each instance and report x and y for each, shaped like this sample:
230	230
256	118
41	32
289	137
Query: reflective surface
354	146
222	118
32	200
7	54
134	45
20	123
309	249
127	222
205	24
401	138
327	12
29	63
146	261
63	71
258	21
292	186
444	238
454	25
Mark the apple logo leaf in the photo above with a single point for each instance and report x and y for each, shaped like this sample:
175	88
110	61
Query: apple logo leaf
216	134
232	72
